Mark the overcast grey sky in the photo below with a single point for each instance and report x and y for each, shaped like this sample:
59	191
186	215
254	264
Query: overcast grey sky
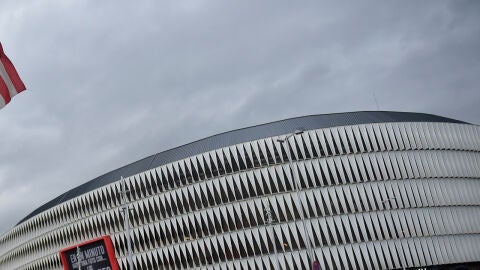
110	82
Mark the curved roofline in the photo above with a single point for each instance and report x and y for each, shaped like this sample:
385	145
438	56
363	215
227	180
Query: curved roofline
241	135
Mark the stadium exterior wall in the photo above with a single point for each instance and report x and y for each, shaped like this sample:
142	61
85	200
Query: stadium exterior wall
380	195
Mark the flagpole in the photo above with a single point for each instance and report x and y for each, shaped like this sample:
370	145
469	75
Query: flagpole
78	258
126	213
298	201
268	213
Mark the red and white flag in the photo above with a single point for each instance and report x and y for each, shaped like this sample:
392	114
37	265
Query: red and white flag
10	82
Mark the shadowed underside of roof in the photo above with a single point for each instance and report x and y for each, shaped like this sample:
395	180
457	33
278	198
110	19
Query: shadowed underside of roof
240	136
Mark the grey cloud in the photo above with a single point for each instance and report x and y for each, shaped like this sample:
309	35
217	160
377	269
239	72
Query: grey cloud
111	82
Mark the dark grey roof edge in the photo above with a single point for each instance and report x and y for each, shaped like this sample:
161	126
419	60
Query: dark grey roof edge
238	136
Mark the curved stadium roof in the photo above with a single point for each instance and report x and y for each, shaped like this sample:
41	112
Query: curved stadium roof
240	136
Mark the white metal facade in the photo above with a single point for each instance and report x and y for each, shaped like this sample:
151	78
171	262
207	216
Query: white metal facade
376	196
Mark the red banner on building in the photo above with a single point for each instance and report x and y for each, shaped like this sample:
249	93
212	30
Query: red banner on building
95	254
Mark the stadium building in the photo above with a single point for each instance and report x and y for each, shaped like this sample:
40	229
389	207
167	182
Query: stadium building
361	190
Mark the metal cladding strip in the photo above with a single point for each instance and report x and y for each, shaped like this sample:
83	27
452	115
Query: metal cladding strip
239	136
376	196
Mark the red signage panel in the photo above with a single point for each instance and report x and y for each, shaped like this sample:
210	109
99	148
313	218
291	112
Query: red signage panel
95	254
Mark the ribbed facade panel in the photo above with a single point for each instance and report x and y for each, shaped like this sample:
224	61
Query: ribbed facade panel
374	196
